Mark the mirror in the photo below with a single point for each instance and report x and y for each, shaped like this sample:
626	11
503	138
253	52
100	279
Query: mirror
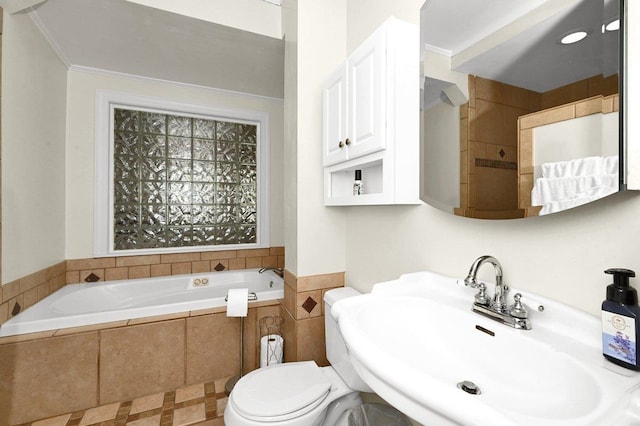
520	105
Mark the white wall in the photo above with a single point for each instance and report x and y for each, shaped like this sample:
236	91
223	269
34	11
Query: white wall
290	188
33	162
256	16
81	145
318	245
440	181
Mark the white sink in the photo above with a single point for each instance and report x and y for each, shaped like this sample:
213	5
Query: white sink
415	339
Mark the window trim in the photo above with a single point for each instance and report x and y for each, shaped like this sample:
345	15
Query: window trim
103	229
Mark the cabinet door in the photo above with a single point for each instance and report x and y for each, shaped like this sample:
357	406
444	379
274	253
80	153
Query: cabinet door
334	118
367	96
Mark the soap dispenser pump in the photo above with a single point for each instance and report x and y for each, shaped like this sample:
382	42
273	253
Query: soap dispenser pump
620	316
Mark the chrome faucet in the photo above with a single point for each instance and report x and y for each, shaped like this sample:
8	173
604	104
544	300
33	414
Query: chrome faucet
278	271
515	315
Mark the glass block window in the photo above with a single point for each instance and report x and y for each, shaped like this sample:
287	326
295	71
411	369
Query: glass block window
175	177
182	181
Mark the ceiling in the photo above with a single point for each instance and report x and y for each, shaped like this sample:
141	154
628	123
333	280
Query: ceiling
516	42
124	37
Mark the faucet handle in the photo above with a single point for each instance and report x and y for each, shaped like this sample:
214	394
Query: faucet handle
518	310
481	298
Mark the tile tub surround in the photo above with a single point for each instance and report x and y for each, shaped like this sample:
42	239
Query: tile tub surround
75	370
198	404
31	289
27	291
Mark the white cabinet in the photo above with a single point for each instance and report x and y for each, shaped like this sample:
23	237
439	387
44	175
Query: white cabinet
354	103
371	120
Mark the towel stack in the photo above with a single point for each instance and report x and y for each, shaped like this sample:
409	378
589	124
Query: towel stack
567	184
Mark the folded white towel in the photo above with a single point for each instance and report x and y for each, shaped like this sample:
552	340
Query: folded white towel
581	167
611	165
549	190
557	206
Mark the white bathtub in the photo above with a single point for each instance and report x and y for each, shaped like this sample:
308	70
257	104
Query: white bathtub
84	304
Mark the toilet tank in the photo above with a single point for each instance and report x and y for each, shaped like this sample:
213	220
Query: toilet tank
335	346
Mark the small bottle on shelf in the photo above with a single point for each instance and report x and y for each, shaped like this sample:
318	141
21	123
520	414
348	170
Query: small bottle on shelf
358	186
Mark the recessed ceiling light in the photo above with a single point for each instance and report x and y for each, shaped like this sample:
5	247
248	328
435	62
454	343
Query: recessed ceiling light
573	37
613	25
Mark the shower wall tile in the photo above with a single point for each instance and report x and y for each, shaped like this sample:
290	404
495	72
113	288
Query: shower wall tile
131	267
200	266
121	273
276	251
97	272
129	369
151	259
72	277
270	261
222	264
180	268
309	304
239	263
141	271
90	264
179	257
161	270
253	262
10	290
48	377
216	255
4	312
310	341
318	282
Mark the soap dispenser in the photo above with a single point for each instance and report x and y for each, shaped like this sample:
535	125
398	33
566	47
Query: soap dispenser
620	315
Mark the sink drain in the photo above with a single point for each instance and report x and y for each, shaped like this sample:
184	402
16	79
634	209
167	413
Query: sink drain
469	387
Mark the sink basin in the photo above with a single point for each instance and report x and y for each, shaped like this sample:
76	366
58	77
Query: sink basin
415	340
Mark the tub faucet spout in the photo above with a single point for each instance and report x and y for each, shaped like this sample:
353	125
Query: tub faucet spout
278	271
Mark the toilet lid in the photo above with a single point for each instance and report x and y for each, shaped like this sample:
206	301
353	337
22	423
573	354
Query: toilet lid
283	391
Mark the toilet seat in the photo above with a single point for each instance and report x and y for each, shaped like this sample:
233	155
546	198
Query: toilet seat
280	392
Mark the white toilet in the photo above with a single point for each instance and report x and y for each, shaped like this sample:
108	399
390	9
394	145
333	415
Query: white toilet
301	393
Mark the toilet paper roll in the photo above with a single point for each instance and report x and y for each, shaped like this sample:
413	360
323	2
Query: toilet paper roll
271	350
237	302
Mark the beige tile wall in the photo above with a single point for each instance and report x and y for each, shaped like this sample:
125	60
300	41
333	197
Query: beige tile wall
29	290
488	145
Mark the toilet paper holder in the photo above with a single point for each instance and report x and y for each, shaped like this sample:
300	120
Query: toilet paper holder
252	296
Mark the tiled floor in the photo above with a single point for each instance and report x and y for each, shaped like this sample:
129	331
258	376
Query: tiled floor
190	405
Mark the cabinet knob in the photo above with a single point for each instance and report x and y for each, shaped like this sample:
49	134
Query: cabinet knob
347	142
340	144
